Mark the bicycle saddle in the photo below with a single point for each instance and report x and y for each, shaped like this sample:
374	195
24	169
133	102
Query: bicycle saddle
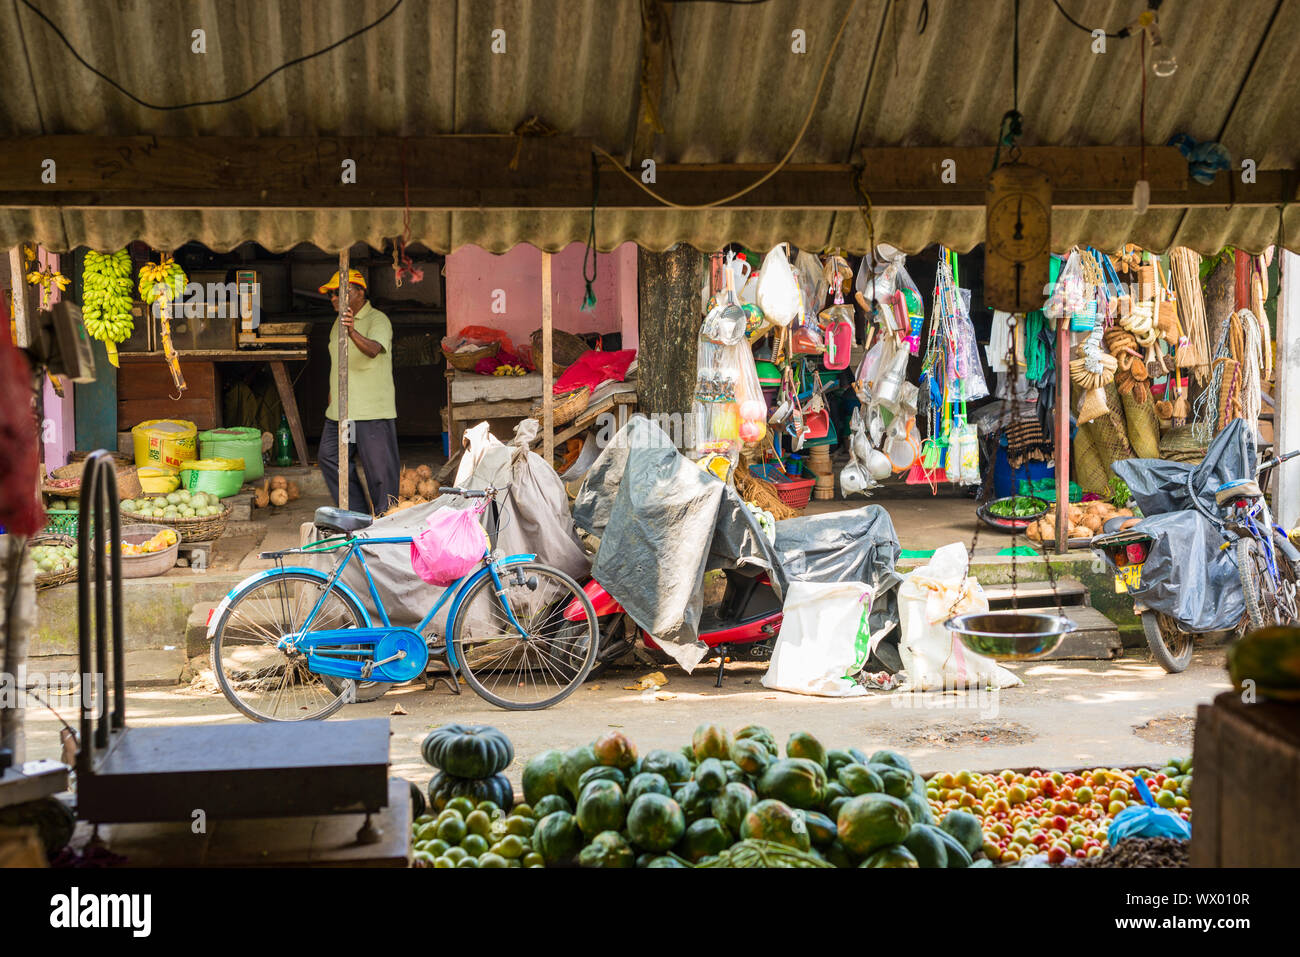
340	520
1237	488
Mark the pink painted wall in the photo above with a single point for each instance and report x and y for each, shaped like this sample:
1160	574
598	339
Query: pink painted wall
475	275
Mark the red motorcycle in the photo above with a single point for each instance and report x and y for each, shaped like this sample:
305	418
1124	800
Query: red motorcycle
743	627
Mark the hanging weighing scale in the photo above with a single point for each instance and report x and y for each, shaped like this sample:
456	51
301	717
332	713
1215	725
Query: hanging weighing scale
1017	237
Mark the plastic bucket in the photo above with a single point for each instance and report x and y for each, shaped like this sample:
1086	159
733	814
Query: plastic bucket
234	443
165	442
219	477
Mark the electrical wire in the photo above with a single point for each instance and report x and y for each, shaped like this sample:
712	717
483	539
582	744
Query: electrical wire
1125	32
217	102
821	82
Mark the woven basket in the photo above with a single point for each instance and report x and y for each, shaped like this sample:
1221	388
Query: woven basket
1092	406
565	349
128	480
205	529
1089	470
1143	426
55	578
566	407
123	459
466	361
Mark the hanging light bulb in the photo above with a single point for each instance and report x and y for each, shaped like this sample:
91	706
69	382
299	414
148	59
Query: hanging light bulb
1163	61
1141	196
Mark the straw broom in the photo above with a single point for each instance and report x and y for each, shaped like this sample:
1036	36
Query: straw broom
1195	355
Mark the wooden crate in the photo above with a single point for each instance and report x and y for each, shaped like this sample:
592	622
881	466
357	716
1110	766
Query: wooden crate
1246	784
144	392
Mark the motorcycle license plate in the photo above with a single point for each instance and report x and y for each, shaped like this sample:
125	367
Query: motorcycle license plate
1129	577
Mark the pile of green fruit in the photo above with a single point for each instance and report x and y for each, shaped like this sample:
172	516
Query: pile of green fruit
733	801
175	505
63	504
52	559
107	296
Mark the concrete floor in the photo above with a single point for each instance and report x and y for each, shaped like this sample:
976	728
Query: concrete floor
1068	714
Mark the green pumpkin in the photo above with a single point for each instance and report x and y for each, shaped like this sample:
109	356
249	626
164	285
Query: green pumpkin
468	751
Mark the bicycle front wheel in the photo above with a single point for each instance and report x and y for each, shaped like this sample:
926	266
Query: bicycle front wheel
1265	606
256	676
544	659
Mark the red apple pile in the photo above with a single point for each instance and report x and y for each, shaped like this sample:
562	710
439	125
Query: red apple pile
1060	814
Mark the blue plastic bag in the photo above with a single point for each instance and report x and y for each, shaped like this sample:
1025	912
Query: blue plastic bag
1147	820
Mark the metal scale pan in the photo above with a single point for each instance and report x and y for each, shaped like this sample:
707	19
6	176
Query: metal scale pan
129	775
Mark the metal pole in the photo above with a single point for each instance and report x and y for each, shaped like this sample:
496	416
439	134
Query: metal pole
345	296
548	400
1062	436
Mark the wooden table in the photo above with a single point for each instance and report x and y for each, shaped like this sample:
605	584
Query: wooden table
275	358
473	397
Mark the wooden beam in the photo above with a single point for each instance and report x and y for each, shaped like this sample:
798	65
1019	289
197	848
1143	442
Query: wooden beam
289	403
548	395
450	173
654	27
24	322
490	410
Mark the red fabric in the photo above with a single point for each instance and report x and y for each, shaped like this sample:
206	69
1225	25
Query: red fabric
593	368
20	507
491	363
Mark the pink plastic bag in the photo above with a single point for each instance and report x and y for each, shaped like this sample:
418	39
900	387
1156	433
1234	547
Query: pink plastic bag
450	547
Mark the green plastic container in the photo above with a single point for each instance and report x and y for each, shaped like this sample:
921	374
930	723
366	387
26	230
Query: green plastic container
219	477
237	442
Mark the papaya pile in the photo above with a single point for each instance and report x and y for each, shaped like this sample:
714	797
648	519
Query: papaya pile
735	800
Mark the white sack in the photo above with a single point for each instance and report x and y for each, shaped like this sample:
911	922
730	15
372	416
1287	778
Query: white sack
824	640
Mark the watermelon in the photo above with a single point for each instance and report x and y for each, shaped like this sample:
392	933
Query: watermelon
731	805
798	782
803	745
607	849
694	802
871	821
929	849
647	782
543	775
756	732
710	775
776	821
711	741
750	755
704	837
893	855
858	779
655	822
600	772
576	762
614	750
892	758
557	838
600	808
965	827
821	829
671	765
550	804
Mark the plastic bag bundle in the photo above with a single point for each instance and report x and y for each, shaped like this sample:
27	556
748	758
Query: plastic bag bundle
962	369
449	548
778	289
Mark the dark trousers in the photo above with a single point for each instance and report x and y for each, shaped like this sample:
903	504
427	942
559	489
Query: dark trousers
375	444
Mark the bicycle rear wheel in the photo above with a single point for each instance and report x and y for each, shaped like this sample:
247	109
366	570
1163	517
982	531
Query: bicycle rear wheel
1265	605
542	666
256	676
1170	645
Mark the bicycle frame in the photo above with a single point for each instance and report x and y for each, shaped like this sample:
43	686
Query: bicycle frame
384	636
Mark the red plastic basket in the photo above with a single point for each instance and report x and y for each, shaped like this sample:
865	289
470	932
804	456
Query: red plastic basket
793	492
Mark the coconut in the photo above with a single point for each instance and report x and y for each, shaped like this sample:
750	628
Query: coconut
407	487
293	491
424	472
279	496
279	482
427	488
261	498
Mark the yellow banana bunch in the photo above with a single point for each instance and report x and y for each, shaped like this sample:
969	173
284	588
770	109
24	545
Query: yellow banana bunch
165	281
106	296
509	370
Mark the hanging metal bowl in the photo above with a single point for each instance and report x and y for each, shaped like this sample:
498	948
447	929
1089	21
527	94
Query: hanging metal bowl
1011	635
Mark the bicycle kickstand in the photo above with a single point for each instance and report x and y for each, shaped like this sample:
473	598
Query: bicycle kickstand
722	662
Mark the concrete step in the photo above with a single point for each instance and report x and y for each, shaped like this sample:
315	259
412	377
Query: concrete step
196	629
1069	592
146	668
1095	638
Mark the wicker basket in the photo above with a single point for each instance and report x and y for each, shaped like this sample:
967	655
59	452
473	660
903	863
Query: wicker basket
567	407
55	578
123	459
191	529
565	349
466	361
128	480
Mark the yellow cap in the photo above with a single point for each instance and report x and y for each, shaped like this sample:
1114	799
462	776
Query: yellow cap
354	277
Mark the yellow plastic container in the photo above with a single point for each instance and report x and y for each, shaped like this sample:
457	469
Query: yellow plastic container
156	480
165	442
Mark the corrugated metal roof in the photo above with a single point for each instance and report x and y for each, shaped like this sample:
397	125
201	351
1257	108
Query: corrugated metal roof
742	96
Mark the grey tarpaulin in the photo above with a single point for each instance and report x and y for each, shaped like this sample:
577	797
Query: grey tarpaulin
663	522
533	518
1187	575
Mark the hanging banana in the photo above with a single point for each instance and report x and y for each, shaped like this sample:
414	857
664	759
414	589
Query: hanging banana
160	286
106	299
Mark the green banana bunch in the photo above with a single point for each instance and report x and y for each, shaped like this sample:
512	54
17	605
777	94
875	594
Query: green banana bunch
106	298
165	281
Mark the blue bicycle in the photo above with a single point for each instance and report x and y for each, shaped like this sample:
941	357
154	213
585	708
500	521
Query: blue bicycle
293	643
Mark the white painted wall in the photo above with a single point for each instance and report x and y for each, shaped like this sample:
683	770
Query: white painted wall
1287	498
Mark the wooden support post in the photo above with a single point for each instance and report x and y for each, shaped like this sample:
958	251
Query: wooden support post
548	398
289	403
1062	436
24	324
1286	428
1241	279
345	297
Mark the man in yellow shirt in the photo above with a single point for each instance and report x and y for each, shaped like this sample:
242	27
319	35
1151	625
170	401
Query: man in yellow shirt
372	404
